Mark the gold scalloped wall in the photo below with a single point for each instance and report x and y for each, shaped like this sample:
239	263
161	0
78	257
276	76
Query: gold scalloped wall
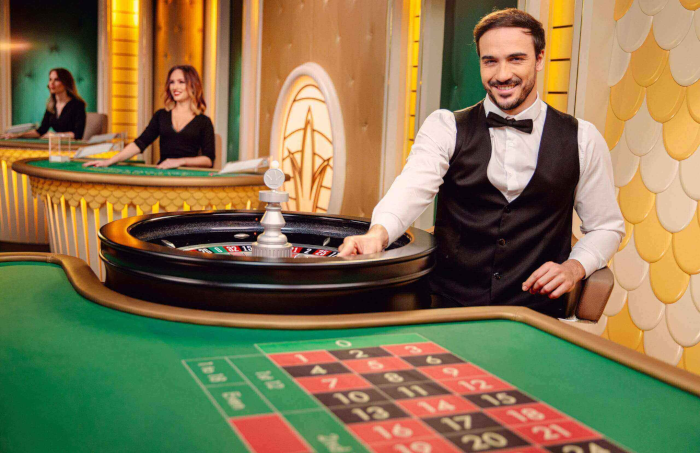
660	279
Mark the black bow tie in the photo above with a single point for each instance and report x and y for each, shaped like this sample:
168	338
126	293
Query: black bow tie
495	120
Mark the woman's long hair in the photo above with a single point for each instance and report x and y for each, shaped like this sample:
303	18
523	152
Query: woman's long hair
194	88
66	78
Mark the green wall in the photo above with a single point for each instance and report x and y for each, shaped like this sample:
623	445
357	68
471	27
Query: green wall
461	83
234	81
60	34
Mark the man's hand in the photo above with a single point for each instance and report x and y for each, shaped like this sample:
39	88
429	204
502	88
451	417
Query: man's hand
171	163
555	279
375	240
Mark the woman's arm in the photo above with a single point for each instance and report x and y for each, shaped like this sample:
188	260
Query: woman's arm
44	128
127	153
197	161
29	134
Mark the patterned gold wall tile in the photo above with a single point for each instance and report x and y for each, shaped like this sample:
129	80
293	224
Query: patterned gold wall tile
683	320
651	239
692	359
632	28
658	169
689	171
681	134
617	300
693	99
621	8
626	97
619	62
659	343
642	132
674	207
672	24
629	268
651	7
646	311
685	60
629	228
668	281
636	200
686	248
614	127
622	330
690	4
665	97
648	62
624	164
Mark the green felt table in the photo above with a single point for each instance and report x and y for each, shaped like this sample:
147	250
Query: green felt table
77	376
125	168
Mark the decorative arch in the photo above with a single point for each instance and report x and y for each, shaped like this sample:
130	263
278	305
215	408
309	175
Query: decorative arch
308	138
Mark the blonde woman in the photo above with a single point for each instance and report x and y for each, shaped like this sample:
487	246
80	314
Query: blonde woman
186	134
65	109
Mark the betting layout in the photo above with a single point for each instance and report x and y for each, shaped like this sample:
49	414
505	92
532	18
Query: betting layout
246	249
387	394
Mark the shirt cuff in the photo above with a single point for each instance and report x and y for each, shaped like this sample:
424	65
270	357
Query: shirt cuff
587	259
391	223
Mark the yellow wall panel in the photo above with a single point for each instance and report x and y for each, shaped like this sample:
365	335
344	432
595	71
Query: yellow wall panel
636	201
562	12
665	96
690	4
614	127
691	358
626	97
692	97
648	62
124	117
124	75
651	239
557	101
125	33
127	20
622	330
558	76
668	281
125	47
560	43
686	247
681	134
621	8
124	89
125	103
124	61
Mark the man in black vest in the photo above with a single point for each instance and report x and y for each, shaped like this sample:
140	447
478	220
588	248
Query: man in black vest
508	173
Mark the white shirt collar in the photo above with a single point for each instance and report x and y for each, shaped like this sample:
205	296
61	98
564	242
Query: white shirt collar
530	113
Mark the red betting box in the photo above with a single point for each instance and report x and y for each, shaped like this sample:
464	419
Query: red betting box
377	365
453	371
302	358
335	382
479	384
555	433
265	434
402	350
402	430
525	414
437	405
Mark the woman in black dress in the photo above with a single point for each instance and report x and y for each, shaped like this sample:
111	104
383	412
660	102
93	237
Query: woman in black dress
65	109
186	134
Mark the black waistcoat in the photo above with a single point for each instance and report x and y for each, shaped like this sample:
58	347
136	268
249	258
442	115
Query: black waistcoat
488	247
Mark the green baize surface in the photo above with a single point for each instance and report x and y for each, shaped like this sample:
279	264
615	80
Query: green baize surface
79	377
126	169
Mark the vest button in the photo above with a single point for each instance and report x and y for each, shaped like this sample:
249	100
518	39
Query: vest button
497	275
502	242
507	210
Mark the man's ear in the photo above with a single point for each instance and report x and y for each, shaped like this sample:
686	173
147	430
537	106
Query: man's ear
539	65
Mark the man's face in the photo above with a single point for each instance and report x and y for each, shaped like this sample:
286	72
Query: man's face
509	68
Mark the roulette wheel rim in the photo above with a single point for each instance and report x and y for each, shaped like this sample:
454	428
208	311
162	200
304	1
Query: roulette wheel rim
392	280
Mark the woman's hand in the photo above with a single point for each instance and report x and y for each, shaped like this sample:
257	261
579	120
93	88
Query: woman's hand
98	163
9	136
171	163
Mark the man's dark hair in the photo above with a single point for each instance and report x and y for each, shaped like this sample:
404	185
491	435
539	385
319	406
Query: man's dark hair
511	18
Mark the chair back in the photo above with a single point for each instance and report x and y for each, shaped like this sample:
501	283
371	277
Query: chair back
95	123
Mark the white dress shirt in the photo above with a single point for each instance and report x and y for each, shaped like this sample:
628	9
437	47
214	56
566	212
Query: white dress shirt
513	161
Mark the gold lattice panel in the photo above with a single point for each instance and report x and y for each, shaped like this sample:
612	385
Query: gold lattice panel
653	128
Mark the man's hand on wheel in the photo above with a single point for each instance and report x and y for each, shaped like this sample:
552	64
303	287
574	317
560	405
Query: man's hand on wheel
375	240
555	279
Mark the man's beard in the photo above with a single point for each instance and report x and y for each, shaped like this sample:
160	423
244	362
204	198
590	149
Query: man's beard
524	93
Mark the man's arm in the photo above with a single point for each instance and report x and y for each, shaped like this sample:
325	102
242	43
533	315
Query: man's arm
413	189
601	220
